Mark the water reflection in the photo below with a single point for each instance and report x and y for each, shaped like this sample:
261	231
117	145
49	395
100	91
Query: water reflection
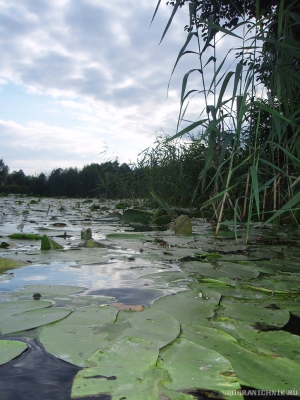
120	279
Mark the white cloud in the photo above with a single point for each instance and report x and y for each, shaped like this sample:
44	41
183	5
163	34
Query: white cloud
99	70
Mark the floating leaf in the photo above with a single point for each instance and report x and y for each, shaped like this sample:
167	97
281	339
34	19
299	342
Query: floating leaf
126	236
10	349
20	316
274	343
25	236
75	338
182	225
226	269
189	307
121	306
86	234
192	366
7	264
255	314
156	326
255	370
49	244
137	216
119	371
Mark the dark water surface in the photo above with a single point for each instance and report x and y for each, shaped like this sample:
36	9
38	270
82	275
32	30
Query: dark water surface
37	375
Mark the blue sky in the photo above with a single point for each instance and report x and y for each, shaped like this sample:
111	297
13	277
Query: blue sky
79	77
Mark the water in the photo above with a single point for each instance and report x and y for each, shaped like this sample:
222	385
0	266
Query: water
120	279
37	375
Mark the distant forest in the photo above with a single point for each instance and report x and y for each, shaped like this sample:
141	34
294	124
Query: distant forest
107	180
169	170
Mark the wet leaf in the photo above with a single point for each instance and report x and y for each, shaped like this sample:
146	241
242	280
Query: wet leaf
192	366
75	338
182	225
189	307
260	371
19	316
155	326
255	315
10	349
274	343
7	264
121	306
86	234
137	216
223	269
126	236
49	244
121	371
25	236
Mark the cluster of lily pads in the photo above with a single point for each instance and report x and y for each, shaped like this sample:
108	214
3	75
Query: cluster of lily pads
220	330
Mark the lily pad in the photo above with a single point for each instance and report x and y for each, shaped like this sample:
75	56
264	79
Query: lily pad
182	225
192	366
126	236
75	338
274	343
189	307
49	244
7	264
25	236
224	269
155	326
260	371
20	316
137	216
118	371
86	234
255	315
10	349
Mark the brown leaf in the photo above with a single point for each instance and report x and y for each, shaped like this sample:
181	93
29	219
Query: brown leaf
122	306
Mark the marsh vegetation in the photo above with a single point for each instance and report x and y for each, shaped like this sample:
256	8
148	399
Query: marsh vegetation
104	269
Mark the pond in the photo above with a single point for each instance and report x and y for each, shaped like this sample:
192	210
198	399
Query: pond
101	303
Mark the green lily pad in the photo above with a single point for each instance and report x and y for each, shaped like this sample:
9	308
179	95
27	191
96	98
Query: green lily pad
160	217
192	366
137	216
189	307
25	236
278	283
75	338
182	225
7	264
86	234
260	371
10	349
255	314
226	269
118	371
49	244
155	326
275	343
126	236
20	316
291	306
50	291
170	279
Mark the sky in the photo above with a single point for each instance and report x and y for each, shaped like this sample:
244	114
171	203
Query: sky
85	81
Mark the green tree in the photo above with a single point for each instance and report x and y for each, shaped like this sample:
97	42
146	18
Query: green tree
3	172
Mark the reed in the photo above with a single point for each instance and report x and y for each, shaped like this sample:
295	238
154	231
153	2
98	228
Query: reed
249	123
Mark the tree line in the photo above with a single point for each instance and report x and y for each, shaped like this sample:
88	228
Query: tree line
108	180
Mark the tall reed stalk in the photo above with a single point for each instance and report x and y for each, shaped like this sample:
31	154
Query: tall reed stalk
251	139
